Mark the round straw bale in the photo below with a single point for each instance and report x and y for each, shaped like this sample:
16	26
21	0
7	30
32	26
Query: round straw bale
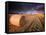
17	20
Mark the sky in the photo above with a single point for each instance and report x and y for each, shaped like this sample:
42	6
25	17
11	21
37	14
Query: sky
25	8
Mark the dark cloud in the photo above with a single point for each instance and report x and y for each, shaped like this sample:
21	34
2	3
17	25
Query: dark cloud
14	7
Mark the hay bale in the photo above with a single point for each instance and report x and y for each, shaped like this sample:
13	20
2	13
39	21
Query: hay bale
17	20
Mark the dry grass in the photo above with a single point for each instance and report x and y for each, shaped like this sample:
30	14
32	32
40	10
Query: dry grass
28	23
